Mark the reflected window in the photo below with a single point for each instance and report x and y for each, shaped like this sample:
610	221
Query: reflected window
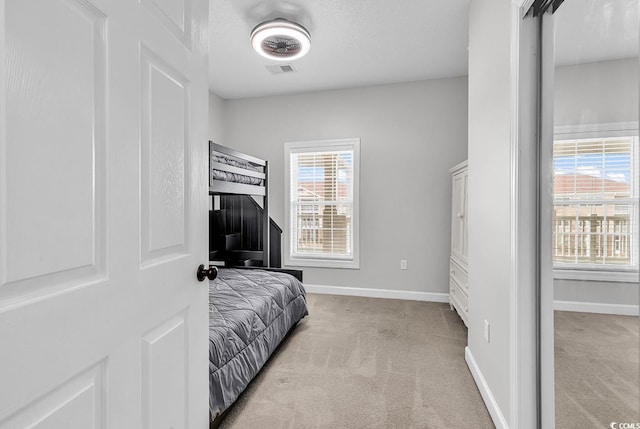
596	203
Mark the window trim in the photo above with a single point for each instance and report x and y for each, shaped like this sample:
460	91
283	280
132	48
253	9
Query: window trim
591	272
620	275
322	261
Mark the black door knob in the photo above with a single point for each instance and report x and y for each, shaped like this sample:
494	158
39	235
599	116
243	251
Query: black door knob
211	273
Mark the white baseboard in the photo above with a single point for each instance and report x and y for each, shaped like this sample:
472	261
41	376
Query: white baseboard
596	307
378	293
485	391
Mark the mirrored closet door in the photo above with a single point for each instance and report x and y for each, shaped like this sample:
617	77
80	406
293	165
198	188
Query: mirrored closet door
592	229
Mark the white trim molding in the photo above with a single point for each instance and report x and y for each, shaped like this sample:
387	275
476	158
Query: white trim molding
604	130
378	293
351	261
597	307
523	356
487	396
602	272
618	276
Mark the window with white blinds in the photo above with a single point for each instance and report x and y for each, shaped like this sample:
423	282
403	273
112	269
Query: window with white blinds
595	219
321	218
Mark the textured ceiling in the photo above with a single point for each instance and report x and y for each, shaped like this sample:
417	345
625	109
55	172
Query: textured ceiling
596	30
370	42
353	43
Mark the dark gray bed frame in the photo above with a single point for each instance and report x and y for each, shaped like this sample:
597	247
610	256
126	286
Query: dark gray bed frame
219	187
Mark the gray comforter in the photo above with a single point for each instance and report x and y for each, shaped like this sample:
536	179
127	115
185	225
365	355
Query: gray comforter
250	312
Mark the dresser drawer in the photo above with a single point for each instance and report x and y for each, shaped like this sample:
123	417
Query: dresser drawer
459	300
459	275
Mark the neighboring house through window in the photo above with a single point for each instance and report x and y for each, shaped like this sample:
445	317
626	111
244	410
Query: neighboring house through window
321	197
595	223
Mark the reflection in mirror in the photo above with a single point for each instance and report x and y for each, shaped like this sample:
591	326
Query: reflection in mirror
595	224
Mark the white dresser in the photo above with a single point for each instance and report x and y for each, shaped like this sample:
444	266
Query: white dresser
458	283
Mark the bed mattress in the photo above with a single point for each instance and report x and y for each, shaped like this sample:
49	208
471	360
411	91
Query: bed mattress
227	176
250	312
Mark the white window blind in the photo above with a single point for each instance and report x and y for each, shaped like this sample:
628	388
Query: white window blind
322	207
596	202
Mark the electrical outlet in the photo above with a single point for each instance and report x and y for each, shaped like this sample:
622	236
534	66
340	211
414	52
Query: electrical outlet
487	331
403	264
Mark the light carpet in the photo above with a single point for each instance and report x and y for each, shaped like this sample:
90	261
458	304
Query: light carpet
366	363
597	370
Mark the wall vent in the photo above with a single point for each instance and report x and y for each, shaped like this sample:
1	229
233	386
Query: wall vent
281	68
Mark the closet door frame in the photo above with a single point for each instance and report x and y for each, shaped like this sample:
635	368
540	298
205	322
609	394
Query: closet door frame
532	400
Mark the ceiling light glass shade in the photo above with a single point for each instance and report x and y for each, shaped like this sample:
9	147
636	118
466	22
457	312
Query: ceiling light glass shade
281	40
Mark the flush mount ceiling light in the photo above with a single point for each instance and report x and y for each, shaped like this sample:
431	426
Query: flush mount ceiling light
281	40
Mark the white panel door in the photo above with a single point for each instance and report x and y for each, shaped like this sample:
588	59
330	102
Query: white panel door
458	217
103	214
464	247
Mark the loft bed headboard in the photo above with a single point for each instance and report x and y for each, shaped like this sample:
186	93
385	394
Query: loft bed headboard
236	173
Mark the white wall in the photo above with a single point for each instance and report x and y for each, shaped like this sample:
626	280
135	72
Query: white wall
490	196
216	118
596	93
596	292
410	135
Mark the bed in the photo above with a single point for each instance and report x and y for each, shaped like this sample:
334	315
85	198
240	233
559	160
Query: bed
250	312
251	309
